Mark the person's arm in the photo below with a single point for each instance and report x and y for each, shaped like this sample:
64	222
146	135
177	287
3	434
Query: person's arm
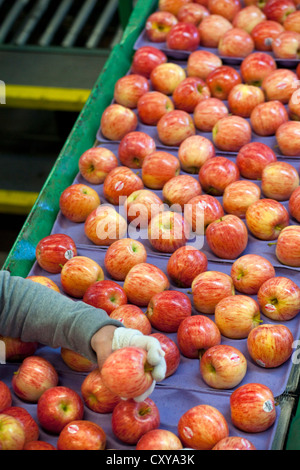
33	312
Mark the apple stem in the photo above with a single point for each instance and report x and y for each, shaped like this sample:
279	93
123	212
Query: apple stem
148	367
239	276
200	353
272	243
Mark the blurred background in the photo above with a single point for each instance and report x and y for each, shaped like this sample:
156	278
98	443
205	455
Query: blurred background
51	54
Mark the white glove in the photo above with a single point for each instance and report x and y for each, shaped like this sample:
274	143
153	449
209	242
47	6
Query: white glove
125	337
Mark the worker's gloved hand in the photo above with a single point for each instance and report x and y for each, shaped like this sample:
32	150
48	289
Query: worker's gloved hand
126	337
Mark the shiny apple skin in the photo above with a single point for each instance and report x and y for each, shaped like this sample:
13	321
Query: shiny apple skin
168	231
263	34
231	133
207	113
279	298
266	218
178	191
249	272
270	345
166	77
159	439
183	37
212	29
77	201
158	24
134	147
252	159
152	106
238	196
106	295
294	204
122	255
174	127
185	264
227	237
53	251
203	210
266	117
82	435
117	121
201	427
132	317
209	288
196	334
158	168
234	443
252	408
216	174
280	85
146	58
244	98
288	138
96	396
279	180
190	92
95	163
256	66
172	353
200	63
236	43
167	309
120	183
129	88
78	274
222	80
287	247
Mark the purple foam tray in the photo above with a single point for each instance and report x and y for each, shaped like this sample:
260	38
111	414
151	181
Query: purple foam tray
143	40
171	403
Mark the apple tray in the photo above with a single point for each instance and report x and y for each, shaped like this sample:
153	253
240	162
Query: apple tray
143	40
270	141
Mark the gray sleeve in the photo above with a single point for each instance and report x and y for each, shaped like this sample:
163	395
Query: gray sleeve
33	312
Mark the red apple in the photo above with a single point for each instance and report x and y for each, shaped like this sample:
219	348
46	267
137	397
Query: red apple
185	264
142	282
5	396
173	6
249	272
76	361
179	190
294	106
231	133
236	42
264	33
17	350
123	363
257	66
82	435
239	195
194	151
294	204
227	237
209	288
190	92
278	10
158	24
212	29
167	309
234	443
172	353
222	80
105	225
152	106
201	63
45	281
158	168
12	434
291	23
134	147
141	206
201	427
39	445
122	255
53	251
57	407
288	138
201	211
168	231
266	218
279	180
165	77
96	395
192	13
216	174
145	59
248	17
286	45
131	420
106	295
280	85
159	439
223	366
34	376
252	408
120	183
279	298
78	274
267	117
243	98
174	127
270	345
95	163
236	316
129	88
252	159
287	246
207	113
226	8
183	37
196	334
132	317
78	201
116	121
